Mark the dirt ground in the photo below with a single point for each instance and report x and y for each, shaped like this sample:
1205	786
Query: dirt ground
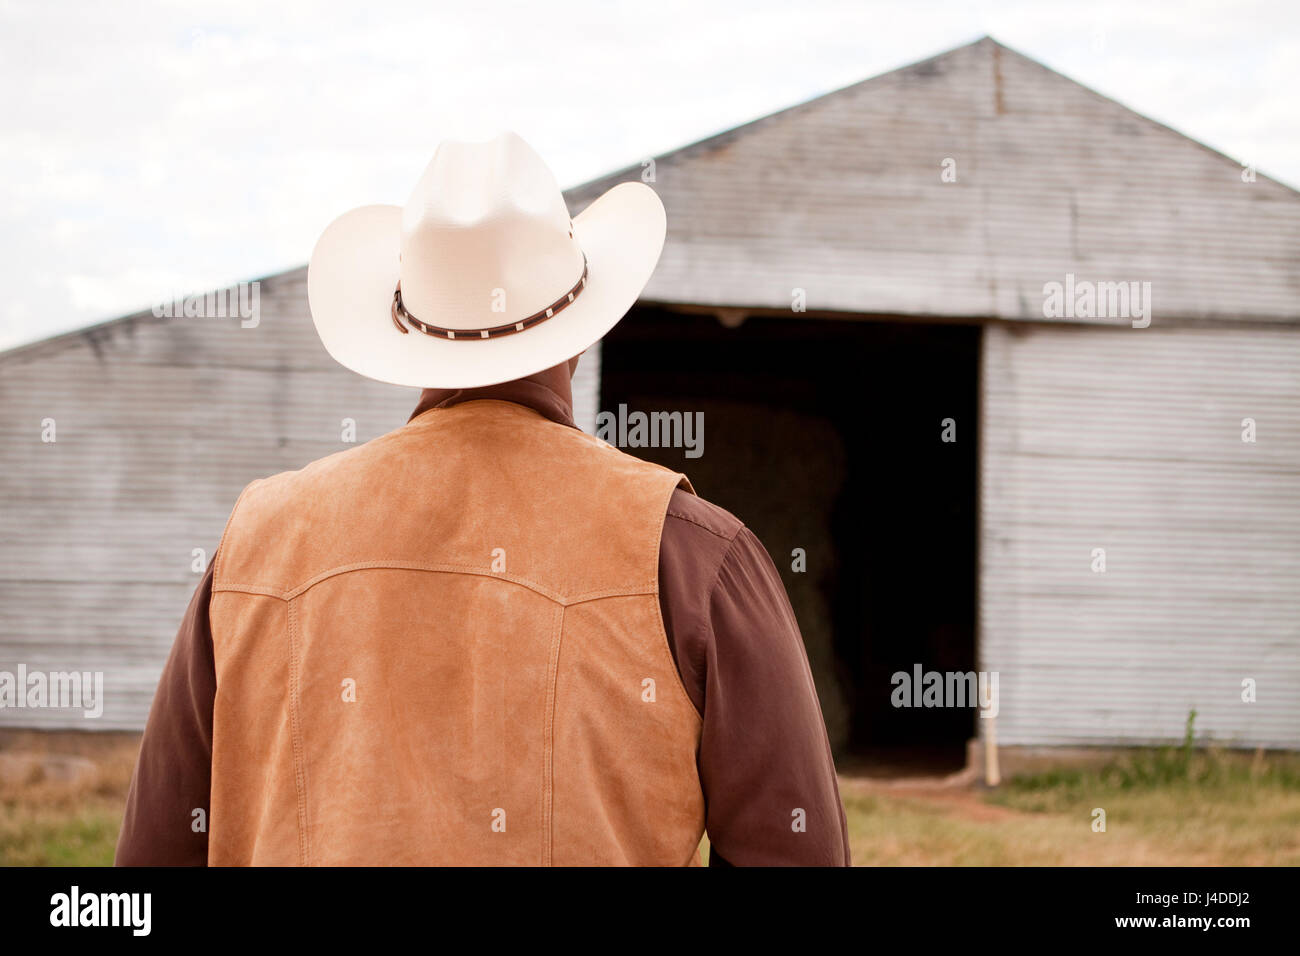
966	801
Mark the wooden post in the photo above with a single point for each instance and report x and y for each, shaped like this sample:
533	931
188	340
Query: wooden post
992	776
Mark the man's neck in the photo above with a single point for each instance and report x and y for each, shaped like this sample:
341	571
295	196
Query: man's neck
549	392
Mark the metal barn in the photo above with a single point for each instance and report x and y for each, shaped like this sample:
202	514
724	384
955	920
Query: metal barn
854	293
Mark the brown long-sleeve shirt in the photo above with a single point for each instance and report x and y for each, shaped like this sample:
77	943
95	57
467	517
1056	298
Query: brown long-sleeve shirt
733	635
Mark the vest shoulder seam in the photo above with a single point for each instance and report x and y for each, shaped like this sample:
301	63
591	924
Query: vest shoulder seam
632	591
250	589
531	585
288	594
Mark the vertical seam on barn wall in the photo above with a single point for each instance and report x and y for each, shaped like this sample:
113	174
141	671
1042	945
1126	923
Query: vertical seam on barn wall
548	733
295	731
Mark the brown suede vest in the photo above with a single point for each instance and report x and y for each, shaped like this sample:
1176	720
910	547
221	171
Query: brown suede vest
445	647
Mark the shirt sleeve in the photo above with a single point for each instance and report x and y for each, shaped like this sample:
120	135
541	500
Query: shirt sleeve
765	759
173	773
771	793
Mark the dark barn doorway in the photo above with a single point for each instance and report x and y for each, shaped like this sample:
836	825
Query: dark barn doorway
825	434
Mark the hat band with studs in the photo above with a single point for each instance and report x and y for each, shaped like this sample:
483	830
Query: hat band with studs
399	313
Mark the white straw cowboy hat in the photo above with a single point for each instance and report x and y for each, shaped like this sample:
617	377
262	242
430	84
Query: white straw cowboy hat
482	277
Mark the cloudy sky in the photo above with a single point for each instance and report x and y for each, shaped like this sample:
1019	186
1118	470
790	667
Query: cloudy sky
181	145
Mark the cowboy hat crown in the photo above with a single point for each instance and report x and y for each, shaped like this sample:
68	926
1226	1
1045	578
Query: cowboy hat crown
486	236
482	276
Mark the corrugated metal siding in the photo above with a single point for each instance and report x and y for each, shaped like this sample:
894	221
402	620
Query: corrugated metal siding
160	423
842	197
1130	440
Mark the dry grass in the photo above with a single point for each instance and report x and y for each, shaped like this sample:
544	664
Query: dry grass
52	822
1150	829
1202	808
1169	807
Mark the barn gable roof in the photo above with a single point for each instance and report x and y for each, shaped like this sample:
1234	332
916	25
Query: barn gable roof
842	197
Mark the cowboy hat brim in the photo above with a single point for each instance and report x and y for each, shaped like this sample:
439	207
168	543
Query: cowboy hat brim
355	267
